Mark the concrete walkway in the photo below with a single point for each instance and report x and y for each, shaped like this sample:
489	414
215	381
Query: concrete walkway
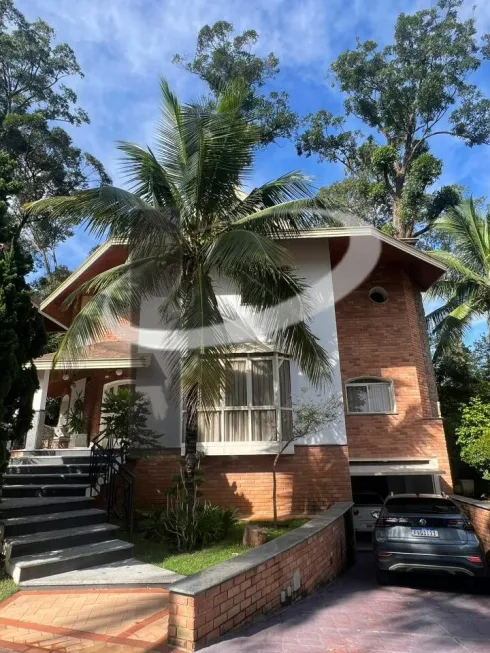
354	615
89	621
125	573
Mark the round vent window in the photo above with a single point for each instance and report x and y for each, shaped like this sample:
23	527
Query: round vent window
378	295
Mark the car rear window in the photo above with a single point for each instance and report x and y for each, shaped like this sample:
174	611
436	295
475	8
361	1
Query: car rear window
367	499
401	505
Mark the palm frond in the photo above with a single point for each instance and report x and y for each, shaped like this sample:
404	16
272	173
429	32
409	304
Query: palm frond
466	229
147	178
451	331
456	265
298	341
118	296
288	219
110	209
239	248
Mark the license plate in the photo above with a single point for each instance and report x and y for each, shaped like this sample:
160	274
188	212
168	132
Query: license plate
425	532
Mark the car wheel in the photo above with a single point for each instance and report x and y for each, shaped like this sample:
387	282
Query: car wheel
382	577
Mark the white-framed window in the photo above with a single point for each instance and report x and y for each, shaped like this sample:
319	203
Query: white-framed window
370	395
113	387
256	403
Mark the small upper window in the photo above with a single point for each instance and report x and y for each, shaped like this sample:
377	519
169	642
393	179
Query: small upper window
370	396
378	295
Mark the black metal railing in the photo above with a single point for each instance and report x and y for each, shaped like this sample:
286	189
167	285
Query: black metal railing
112	482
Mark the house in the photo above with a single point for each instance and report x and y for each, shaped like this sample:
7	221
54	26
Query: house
387	436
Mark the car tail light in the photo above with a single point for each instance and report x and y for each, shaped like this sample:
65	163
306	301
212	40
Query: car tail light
355	512
383	554
476	559
393	521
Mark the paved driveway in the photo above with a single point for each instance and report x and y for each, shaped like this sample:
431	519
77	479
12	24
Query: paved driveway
354	615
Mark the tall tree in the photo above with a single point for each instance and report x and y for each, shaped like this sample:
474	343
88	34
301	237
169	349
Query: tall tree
406	94
22	334
221	59
465	288
189	230
33	98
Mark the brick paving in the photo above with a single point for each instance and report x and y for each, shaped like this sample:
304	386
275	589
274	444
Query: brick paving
354	615
90	621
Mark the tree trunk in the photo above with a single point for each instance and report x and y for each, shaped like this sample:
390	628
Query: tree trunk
190	466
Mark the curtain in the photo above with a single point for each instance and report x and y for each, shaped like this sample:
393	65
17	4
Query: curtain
209	426
236	385
357	399
380	398
264	427
236	425
262	383
285	383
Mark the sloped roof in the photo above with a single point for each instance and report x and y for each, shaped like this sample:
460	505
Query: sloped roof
101	355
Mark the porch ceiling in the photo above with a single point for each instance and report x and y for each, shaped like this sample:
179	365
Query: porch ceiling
103	355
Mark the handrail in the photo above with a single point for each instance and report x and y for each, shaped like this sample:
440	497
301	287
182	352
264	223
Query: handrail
113	482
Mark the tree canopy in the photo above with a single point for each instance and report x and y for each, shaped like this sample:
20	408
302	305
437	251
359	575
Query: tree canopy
405	94
221	59
34	100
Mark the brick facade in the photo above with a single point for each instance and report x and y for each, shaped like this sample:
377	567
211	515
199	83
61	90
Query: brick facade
383	340
307	482
196	621
390	341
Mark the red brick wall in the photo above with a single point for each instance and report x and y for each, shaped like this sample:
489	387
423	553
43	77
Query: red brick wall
308	481
195	622
480	518
389	340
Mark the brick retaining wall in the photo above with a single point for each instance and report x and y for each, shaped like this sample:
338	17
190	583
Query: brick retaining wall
205	606
479	514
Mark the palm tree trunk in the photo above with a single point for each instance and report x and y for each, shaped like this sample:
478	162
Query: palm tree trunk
191	461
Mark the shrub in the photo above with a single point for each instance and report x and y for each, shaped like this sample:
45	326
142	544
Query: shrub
186	524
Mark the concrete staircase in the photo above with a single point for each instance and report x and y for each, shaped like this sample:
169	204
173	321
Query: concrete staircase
50	524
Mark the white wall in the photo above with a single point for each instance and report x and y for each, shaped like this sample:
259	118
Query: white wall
155	381
313	264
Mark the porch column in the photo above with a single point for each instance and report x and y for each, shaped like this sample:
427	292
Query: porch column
35	433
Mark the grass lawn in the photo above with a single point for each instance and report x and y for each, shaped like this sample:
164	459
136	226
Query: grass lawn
156	553
7	586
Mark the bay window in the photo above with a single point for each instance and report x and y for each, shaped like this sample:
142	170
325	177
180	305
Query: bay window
256	403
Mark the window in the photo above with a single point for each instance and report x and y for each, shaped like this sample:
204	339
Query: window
378	295
370	396
113	388
256	403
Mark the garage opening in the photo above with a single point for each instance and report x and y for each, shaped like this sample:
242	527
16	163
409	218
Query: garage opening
373	480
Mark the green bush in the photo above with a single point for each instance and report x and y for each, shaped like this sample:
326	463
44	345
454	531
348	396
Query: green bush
210	524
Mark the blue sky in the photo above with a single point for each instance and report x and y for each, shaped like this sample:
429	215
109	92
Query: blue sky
124	46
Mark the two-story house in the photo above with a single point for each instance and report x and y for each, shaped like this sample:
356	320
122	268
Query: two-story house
387	435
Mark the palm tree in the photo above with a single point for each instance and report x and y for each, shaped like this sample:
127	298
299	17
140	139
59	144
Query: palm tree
465	288
188	227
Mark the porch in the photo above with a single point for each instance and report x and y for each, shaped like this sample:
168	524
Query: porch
67	404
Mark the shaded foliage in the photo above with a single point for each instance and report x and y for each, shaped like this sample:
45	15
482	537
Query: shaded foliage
407	93
221	58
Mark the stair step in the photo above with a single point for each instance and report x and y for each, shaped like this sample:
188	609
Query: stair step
56	562
82	468
22	507
41	523
45	490
73	459
45	479
32	543
26	453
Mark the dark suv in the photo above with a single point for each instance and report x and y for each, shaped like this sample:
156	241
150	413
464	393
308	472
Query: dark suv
425	532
